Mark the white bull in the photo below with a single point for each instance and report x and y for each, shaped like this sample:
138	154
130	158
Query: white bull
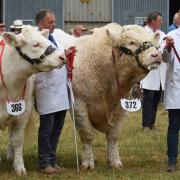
15	73
112	53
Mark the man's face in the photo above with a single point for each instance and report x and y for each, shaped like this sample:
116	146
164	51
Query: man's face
156	24
177	19
79	32
49	22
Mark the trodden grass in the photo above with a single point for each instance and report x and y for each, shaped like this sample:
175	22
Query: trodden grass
143	153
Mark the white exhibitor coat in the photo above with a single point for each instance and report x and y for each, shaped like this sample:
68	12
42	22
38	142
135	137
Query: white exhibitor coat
51	87
172	85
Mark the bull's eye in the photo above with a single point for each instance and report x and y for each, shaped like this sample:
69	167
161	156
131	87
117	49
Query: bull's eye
36	45
132	43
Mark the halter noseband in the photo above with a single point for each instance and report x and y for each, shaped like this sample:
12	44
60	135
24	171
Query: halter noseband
50	49
143	47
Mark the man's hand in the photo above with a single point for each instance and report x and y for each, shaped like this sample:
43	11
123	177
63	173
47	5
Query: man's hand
169	43
69	51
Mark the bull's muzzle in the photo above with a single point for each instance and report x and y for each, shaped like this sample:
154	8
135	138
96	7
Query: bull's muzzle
157	60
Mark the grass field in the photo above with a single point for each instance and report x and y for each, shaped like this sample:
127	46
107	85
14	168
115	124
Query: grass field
143	153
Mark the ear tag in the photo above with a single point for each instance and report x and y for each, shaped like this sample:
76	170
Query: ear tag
131	105
15	108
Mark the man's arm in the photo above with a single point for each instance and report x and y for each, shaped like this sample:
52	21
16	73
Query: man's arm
167	52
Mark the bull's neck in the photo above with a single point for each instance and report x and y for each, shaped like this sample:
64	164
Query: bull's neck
15	73
117	78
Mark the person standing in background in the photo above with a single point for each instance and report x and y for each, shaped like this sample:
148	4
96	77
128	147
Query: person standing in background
153	83
176	22
17	26
78	30
2	28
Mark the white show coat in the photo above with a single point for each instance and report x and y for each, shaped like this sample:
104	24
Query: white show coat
51	87
172	85
156	76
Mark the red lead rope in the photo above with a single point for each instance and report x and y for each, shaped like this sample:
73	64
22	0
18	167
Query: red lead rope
2	44
70	63
176	53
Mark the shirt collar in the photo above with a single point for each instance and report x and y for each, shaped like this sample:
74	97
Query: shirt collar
150	29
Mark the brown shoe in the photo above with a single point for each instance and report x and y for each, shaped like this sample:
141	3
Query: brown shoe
49	170
58	168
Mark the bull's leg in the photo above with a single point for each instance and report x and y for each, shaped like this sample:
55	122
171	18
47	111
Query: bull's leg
10	150
112	143
86	132
16	143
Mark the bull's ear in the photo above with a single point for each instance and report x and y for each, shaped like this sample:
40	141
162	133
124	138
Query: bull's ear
155	39
114	35
45	33
10	38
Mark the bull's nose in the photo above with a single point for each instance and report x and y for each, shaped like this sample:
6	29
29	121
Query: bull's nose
154	55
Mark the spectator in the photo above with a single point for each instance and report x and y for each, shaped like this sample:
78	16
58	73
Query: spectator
153	83
52	100
78	30
171	97
17	26
2	28
176	22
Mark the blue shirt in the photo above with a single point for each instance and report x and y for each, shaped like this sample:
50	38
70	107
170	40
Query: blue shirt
172	27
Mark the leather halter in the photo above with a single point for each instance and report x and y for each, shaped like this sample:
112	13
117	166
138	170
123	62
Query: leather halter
50	49
143	47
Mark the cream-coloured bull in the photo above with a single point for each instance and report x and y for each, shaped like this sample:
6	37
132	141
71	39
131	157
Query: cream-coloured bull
127	52
24	55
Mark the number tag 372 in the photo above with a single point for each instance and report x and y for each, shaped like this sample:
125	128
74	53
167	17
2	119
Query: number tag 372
16	108
131	105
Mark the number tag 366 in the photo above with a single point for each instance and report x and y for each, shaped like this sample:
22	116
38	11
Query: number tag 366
16	108
131	105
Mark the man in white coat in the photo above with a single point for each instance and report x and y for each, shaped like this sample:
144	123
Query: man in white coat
153	83
172	96
51	99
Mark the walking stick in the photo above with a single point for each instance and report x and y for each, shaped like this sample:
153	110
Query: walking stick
70	62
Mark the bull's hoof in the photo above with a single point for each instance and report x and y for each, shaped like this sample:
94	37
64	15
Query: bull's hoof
116	165
87	165
20	171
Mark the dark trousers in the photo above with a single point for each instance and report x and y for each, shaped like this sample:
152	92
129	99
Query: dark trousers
48	136
149	107
173	134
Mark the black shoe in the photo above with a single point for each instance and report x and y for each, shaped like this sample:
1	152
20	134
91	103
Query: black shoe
171	168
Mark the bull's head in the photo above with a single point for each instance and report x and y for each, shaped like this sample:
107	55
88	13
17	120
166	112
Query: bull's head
134	48
134	41
32	46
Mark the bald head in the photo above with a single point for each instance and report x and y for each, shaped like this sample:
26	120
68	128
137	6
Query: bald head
176	19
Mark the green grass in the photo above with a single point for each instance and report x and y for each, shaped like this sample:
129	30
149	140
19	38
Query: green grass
143	153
